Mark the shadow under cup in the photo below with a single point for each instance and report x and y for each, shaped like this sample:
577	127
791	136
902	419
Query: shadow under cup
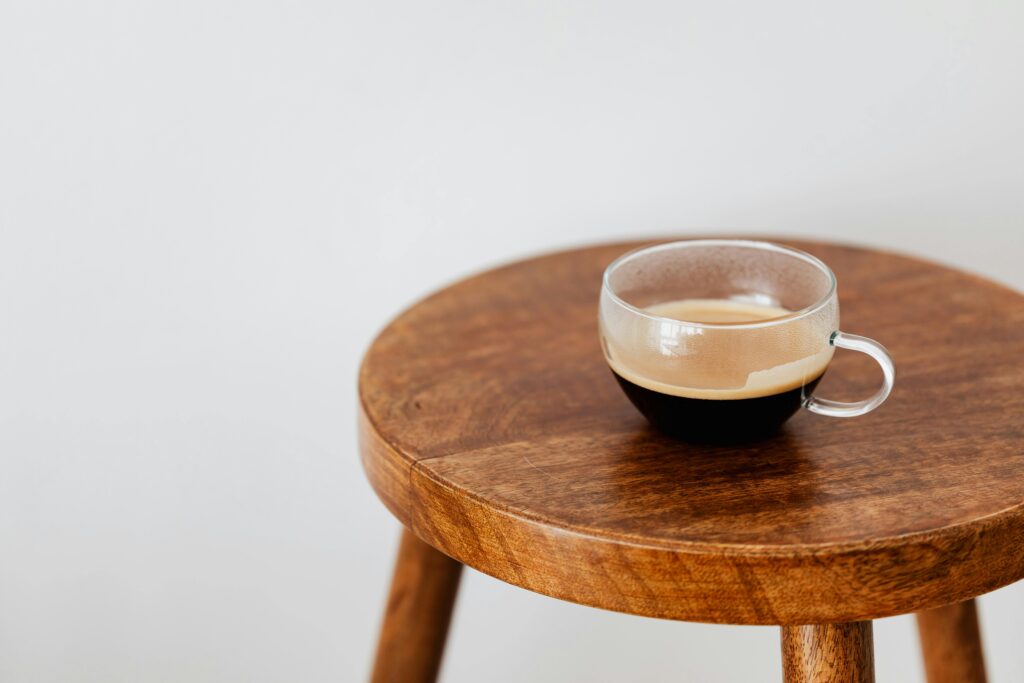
719	381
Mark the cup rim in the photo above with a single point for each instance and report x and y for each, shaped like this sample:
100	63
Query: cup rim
750	244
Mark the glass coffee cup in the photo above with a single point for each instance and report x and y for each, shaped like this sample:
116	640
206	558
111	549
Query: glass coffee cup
724	340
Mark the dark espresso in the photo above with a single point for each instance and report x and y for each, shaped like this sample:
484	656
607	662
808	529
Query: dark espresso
716	420
706	399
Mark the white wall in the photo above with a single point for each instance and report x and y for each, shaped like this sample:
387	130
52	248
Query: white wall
209	208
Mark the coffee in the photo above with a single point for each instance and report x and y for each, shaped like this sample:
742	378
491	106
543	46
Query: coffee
719	399
723	340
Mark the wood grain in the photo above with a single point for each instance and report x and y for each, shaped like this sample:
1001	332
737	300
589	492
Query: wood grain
493	428
418	612
829	653
951	644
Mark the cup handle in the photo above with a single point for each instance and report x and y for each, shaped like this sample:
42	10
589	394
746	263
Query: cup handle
824	406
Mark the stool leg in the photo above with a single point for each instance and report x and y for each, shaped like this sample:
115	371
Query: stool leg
419	609
951	644
828	653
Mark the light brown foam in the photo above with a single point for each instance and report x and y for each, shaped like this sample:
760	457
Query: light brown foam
717	311
777	360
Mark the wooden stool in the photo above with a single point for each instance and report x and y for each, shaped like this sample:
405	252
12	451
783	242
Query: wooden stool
493	430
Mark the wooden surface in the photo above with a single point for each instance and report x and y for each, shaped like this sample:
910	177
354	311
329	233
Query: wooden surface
951	644
829	653
492	427
418	611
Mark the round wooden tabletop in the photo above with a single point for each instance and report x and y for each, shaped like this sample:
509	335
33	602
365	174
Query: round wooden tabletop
492	427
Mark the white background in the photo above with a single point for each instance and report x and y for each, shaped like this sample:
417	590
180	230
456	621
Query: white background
208	209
